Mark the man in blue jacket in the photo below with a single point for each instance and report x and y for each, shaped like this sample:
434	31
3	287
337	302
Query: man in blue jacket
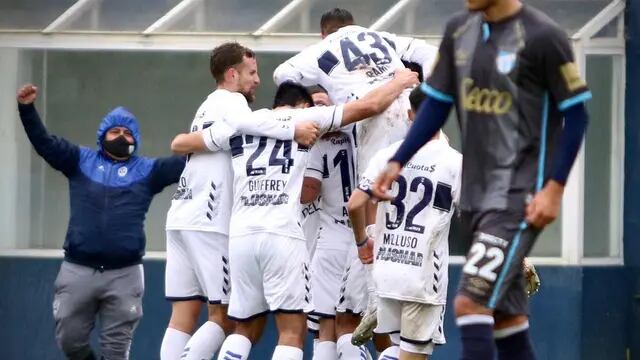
111	189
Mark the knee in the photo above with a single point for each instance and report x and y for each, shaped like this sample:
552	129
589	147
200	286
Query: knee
184	316
346	324
218	315
508	321
463	305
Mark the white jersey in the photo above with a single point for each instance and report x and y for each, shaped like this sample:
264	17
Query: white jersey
203	198
354	60
268	173
331	162
411	238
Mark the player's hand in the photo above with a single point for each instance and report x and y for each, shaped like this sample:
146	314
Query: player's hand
407	78
545	206
306	133
27	94
365	252
383	183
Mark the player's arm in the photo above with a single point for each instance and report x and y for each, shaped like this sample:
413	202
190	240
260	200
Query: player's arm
431	117
302	68
313	175
358	202
570	92
217	135
378	100
57	152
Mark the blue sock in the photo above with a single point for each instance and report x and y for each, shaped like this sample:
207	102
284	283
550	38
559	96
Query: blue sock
477	337
513	343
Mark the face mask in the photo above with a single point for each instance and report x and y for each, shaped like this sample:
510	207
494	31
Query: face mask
118	147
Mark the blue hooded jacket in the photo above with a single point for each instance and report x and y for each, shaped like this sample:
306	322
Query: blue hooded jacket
109	198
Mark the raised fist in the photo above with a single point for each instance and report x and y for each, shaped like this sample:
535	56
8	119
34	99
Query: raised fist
27	94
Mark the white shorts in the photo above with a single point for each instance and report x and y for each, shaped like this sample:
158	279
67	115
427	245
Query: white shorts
197	266
327	270
269	272
354	292
381	131
420	325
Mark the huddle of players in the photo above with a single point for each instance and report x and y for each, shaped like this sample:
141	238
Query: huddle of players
257	206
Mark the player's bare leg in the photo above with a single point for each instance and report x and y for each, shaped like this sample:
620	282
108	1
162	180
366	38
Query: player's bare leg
346	323
291	331
326	345
207	340
184	317
405	355
238	345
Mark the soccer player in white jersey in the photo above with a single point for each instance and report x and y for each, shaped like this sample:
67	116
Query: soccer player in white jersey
198	221
349	62
268	254
411	242
330	175
311	210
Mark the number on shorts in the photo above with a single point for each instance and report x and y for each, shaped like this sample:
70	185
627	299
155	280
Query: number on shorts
487	271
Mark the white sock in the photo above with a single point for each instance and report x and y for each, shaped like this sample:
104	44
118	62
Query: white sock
315	345
235	347
325	350
347	351
173	344
390	353
204	343
284	352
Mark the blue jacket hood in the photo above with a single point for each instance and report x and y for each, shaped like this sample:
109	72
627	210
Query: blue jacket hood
119	117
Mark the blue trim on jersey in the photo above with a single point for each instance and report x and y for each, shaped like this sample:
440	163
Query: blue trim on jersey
436	94
543	143
505	268
585	96
486	32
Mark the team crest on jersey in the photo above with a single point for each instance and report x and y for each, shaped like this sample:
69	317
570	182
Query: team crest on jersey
506	61
122	171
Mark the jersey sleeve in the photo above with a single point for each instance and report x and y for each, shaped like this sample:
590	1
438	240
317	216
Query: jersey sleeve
558	69
441	84
316	163
328	118
301	68
216	137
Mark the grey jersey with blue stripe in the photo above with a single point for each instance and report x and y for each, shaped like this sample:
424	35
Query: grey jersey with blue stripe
510	81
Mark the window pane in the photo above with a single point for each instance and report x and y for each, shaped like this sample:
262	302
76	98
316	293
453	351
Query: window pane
228	15
432	15
19	170
31	14
163	90
364	13
122	15
600	197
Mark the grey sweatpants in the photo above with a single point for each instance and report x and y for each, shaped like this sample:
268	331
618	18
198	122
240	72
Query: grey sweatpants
83	294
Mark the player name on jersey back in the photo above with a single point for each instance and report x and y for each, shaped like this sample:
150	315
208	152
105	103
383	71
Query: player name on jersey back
268	175
412	229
